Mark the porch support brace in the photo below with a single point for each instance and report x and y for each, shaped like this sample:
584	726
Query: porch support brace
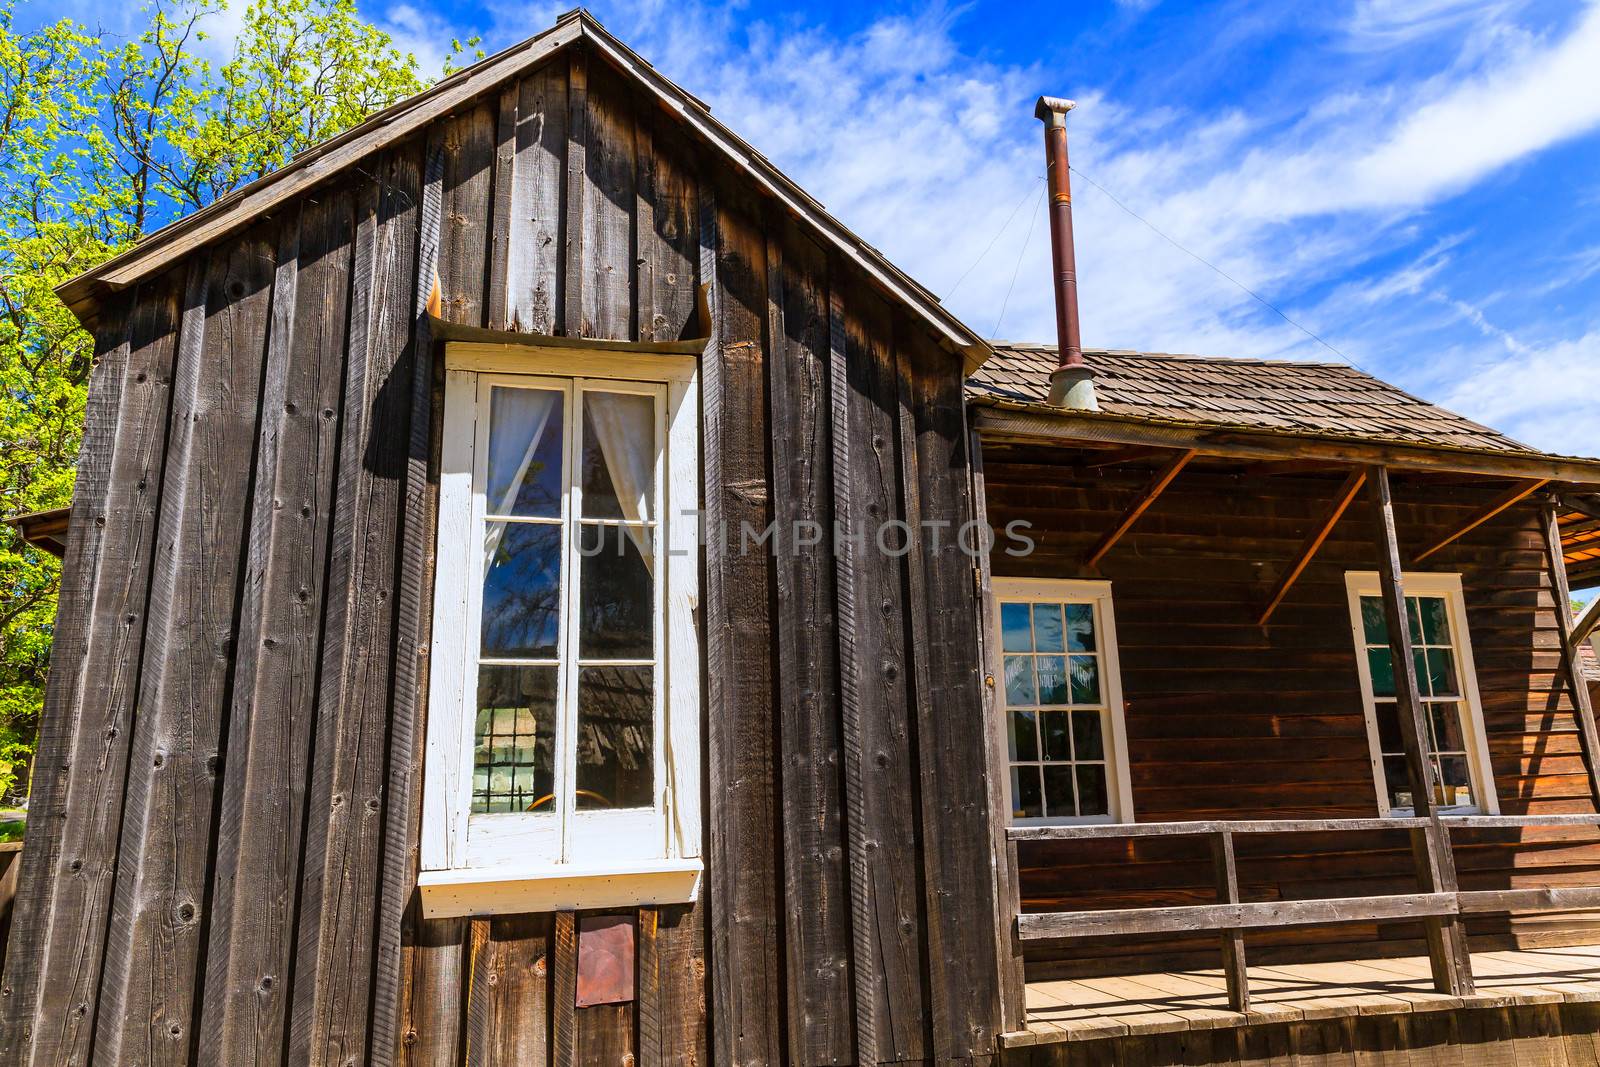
1518	493
1430	845
1584	505
1141	504
1341	501
1233	961
1571	664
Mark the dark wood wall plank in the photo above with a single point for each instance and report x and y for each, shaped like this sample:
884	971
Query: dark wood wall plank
65	882
958	853
340	939
605	220
666	223
251	938
154	947
816	901
742	881
536	231
464	253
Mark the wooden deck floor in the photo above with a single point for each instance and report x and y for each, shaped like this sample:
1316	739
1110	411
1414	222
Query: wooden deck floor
1087	1008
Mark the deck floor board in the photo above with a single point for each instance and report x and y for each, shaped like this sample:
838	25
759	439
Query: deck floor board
1079	1009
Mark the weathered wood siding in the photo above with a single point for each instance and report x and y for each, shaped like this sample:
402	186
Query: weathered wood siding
1226	719
223	839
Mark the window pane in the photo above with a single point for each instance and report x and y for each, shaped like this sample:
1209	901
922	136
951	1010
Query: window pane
1014	632
1390	739
1382	666
524	462
616	737
1419	664
1456	781
1080	628
1092	789
619	456
616	620
1047	628
1442	672
1056	744
1086	740
1085	680
1024	735
1398	781
1058	792
521	590
1019	681
1052	673
1026	800
1414	619
1373	624
1447	733
513	757
1435	620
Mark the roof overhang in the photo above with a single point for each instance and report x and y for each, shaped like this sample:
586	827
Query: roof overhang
44	530
394	124
1000	420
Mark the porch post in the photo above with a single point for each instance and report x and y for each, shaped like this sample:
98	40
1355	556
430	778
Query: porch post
1430	847
1571	666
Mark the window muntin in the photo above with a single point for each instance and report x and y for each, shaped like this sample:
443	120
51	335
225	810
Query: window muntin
1442	656
1061	702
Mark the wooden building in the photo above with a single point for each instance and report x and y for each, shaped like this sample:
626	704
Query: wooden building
525	601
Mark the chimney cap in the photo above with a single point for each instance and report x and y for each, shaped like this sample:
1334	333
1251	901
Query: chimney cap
1052	108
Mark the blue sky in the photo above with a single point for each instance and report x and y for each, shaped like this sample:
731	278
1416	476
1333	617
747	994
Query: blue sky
1415	181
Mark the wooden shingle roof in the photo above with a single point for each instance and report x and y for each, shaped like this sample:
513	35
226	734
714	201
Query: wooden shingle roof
1278	395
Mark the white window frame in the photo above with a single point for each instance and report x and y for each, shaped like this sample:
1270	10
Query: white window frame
513	863
1119	784
1448	587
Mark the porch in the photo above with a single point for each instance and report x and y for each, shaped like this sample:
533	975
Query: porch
1175	1001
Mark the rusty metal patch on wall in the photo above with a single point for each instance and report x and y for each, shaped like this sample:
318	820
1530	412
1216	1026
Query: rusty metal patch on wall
605	960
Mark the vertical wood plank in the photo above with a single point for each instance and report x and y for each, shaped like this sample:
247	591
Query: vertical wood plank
467	227
742	891
75	805
575	201
667	241
958	853
605	220
564	991
498	305
647	962
1435	865
1234	971
681	985
154	967
536	231
817	906
850	558
889	814
345	890
1008	901
251	939
1571	665
433	1030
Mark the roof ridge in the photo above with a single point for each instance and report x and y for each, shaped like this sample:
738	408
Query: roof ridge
1196	356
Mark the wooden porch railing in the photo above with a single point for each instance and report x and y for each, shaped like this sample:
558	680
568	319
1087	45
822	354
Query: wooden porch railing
1230	917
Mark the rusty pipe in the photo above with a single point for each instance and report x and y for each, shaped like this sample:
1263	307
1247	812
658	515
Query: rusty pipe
1072	383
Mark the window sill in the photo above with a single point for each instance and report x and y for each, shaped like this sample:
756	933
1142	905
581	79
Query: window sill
561	887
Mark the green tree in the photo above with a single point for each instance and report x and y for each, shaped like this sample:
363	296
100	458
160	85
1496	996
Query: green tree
101	142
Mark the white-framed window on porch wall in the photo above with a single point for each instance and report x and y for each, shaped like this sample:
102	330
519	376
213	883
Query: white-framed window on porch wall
1446	681
562	765
1061	695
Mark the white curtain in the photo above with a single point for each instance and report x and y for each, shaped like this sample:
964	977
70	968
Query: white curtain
624	425
522	407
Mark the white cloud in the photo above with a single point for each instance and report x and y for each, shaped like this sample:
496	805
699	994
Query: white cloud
1542	396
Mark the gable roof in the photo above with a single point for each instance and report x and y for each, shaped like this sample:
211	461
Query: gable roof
395	123
1281	395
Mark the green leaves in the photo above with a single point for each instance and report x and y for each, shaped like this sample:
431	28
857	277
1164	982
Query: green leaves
101	141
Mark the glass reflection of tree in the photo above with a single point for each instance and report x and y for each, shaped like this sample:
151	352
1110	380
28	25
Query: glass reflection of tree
616	735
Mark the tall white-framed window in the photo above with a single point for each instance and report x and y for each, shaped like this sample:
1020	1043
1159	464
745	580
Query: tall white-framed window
1447	682
1061	694
562	763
